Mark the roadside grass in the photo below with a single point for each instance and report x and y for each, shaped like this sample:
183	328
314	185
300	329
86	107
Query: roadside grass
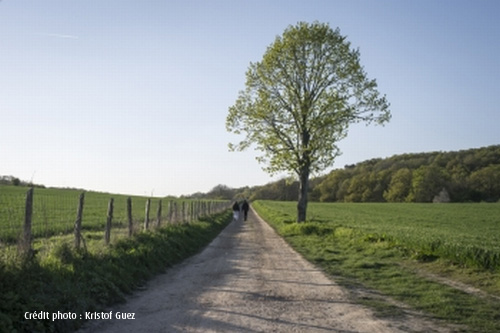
62	279
367	258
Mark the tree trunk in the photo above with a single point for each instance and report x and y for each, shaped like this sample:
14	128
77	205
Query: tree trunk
302	203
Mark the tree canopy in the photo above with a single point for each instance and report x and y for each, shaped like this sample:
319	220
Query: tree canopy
300	99
470	175
466	175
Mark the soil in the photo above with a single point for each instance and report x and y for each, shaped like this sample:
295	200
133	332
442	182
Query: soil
250	280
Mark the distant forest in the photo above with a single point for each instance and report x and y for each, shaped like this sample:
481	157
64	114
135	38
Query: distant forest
471	175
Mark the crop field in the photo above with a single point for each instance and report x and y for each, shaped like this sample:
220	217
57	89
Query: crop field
427	256
54	211
465	233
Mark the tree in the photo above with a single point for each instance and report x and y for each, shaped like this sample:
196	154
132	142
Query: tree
486	182
399	187
299	101
427	181
222	192
330	187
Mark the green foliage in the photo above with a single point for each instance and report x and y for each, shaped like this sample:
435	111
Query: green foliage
222	192
468	175
486	182
427	181
300	100
279	190
400	186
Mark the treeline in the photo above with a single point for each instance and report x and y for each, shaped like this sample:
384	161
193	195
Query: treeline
11	180
466	175
471	175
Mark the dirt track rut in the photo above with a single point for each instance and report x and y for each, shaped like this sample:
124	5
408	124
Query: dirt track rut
247	280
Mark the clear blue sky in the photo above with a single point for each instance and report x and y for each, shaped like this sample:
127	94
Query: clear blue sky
132	96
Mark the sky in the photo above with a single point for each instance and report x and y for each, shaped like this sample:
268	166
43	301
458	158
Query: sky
131	97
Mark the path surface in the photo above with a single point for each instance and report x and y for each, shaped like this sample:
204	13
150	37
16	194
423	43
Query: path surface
247	280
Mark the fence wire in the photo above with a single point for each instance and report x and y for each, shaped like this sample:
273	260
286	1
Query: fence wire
12	205
54	212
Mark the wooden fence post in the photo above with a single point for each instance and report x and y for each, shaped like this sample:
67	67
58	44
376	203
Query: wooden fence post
146	221
175	212
169	212
158	214
129	216
28	213
191	211
78	222
107	234
184	217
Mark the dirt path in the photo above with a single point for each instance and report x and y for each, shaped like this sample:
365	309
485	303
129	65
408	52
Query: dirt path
248	280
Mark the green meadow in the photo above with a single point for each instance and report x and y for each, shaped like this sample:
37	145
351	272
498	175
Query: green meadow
441	259
54	211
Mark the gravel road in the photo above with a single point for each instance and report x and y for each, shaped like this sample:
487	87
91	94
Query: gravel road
248	280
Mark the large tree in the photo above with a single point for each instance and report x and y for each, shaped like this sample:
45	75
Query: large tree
299	101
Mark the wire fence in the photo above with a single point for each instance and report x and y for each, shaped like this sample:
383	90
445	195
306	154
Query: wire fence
26	215
11	215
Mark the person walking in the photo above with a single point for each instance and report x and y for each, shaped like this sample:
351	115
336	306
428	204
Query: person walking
236	211
245	207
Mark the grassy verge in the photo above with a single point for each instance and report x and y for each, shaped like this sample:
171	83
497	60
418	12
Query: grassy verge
63	280
362	260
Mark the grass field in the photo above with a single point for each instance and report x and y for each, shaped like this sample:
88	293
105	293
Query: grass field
399	250
467	234
54	211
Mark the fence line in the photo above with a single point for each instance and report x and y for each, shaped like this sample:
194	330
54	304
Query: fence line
40	212
28	213
78	222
